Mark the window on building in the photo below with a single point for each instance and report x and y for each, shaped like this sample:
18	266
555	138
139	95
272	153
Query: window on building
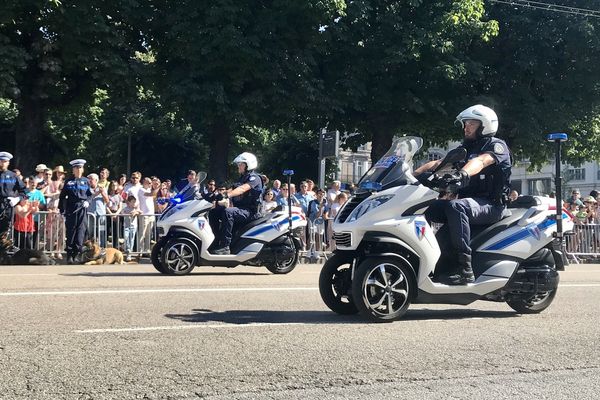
575	174
539	187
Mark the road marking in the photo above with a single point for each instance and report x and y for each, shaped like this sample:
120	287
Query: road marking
29	274
579	285
182	327
143	291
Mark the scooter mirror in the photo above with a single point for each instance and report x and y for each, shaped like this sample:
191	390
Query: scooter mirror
201	176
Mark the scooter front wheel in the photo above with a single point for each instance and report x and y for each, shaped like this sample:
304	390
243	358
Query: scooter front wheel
383	288
155	256
335	284
178	256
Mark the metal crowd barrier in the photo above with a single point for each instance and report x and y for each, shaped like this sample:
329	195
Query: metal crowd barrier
583	242
318	242
134	235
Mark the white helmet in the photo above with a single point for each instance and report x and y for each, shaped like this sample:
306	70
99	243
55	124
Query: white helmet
248	158
487	116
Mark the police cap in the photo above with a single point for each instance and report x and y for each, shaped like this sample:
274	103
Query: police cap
5	156
80	162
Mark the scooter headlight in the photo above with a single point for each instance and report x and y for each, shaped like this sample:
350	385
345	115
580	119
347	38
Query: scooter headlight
367	206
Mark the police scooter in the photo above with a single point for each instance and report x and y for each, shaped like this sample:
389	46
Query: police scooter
388	256
184	236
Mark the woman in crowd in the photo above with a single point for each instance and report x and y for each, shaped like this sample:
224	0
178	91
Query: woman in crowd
162	198
267	203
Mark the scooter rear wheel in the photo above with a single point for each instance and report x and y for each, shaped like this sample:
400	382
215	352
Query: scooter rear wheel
383	288
335	284
535	304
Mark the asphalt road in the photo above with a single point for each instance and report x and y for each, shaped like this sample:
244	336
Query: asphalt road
125	332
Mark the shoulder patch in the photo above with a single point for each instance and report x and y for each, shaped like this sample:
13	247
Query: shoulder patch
252	178
499	148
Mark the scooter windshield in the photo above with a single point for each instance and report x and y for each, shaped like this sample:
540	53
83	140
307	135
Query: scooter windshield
395	167
189	191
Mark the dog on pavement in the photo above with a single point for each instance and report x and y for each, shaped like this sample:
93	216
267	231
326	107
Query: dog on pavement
93	254
23	256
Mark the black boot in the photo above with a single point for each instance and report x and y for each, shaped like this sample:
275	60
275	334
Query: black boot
465	271
69	259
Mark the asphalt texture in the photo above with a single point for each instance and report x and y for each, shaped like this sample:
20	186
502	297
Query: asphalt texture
127	332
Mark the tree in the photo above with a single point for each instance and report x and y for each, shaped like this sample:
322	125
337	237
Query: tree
55	55
541	75
235	63
400	66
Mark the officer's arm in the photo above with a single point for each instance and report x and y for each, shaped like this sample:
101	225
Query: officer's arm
20	187
238	190
428	166
61	199
475	165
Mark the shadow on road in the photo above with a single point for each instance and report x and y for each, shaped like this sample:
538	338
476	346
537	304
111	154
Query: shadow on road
325	317
241	317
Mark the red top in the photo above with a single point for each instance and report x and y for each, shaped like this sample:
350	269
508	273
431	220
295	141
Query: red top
24	224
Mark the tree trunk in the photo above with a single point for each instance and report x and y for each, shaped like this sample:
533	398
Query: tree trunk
29	139
220	133
382	140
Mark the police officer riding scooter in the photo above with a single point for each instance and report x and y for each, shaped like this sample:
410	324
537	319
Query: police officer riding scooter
245	197
483	182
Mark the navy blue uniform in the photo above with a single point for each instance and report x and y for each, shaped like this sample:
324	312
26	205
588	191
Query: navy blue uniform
482	201
75	193
10	186
245	207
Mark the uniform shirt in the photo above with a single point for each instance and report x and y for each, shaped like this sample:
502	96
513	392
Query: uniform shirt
251	199
74	193
11	185
492	182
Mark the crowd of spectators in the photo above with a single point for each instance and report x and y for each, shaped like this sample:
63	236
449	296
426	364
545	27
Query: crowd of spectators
139	199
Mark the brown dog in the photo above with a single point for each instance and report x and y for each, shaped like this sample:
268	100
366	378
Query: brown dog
96	256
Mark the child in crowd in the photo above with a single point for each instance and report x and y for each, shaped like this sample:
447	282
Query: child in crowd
130	223
24	225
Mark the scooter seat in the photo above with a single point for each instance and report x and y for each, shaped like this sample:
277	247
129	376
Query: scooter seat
524	202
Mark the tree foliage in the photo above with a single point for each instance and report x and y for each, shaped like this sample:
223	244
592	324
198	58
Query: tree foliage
192	83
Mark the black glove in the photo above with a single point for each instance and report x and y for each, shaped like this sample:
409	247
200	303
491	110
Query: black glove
458	178
423	178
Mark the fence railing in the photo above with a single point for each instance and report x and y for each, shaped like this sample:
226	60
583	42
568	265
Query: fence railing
136	234
133	234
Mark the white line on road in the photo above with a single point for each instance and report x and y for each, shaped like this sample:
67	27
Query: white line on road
143	291
181	327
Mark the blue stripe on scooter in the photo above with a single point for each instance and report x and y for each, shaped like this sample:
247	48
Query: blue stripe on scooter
269	227
522	234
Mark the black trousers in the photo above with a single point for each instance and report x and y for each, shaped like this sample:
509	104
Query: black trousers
459	213
76	225
6	217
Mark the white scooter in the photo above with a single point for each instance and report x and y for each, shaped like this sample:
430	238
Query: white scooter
184	236
388	256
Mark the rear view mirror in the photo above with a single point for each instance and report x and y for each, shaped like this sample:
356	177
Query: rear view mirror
453	156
